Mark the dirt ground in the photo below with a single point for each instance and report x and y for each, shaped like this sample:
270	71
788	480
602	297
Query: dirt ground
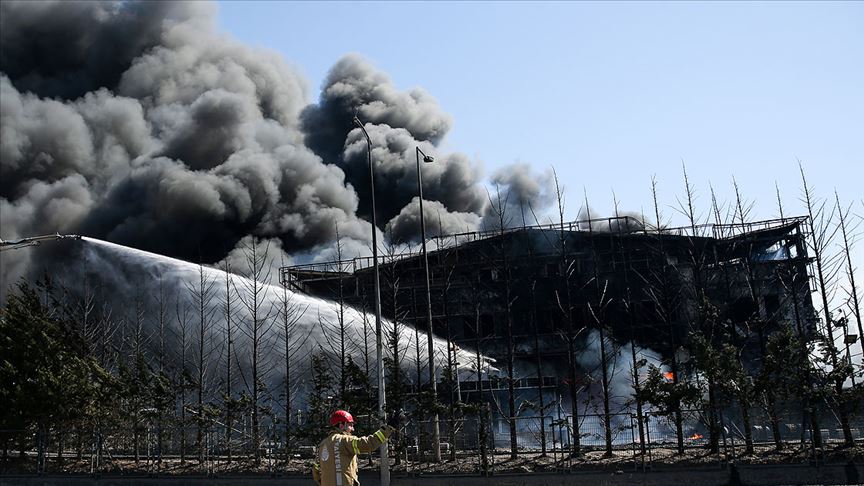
622	460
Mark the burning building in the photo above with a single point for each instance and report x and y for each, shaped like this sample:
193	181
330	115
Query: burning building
523	295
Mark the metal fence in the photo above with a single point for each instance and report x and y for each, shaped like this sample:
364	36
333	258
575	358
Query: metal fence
478	443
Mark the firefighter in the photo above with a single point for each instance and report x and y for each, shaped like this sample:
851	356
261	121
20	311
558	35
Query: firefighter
336	459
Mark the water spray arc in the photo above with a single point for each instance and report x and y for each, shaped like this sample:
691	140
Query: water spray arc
124	261
179	271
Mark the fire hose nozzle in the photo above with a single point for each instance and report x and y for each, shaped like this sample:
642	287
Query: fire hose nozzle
33	241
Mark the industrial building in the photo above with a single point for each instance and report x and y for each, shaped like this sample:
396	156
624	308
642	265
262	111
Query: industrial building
536	293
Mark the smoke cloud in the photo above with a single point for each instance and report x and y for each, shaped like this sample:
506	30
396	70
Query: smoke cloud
397	122
519	197
140	124
136	122
353	87
405	226
67	49
450	180
623	221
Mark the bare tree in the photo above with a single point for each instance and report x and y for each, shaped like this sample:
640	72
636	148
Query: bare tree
534	325
739	384
341	302
753	285
701	320
257	327
86	307
565	308
475	324
182	377
664	290
820	238
794	283
290	313
83	312
630	311
396	384
848	241
136	379
597	307
456	404
229	403
498	206
162	306
201	294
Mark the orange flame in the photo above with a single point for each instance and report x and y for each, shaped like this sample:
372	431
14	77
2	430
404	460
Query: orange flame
669	376
696	437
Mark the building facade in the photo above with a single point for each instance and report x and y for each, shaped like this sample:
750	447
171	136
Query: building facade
556	306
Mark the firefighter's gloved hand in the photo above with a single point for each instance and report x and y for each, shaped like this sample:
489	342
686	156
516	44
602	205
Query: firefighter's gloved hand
396	418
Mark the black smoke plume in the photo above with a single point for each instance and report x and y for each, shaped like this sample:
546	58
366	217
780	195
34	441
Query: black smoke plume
67	49
397	122
140	124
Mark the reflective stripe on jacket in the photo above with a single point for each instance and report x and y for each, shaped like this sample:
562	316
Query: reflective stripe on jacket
337	456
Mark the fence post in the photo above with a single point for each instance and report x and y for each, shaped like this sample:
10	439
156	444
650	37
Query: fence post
159	438
40	450
483	440
723	436
633	444
208	459
147	438
648	440
491	438
99	445
271	447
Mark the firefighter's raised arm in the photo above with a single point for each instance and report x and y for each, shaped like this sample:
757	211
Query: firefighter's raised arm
368	443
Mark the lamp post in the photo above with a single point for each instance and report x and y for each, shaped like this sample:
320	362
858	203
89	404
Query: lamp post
436	430
379	346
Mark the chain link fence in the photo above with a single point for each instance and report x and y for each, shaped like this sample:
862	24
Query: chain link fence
475	444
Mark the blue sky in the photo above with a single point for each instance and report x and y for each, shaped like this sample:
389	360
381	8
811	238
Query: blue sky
613	93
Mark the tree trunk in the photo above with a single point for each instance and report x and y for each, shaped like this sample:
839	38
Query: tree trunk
775	423
183	430
511	391
744	402
537	356
79	446
483	438
815	430
60	439
637	390
574	399
136	436
607	414
713	428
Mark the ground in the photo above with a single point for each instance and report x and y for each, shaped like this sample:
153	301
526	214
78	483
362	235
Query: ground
622	460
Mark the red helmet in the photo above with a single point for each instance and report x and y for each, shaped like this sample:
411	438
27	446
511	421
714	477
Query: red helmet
340	416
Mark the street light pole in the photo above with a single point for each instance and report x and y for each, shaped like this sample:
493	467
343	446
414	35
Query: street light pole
436	430
379	345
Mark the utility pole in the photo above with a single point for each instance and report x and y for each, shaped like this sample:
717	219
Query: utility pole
379	345
436	429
